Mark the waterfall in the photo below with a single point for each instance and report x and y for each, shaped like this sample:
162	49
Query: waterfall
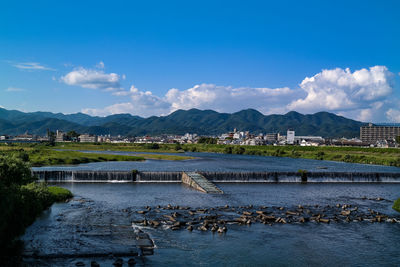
159	177
233	177
85	176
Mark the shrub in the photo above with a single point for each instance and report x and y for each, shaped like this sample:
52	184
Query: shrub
396	205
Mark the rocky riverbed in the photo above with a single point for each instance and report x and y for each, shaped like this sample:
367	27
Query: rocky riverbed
218	219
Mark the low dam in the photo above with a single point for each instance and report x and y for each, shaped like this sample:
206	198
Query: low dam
218	177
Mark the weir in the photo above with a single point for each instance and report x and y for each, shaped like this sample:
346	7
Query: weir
217	177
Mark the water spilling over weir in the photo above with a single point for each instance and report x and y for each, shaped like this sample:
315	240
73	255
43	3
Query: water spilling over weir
233	177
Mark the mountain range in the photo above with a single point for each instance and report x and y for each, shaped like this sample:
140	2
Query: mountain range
202	122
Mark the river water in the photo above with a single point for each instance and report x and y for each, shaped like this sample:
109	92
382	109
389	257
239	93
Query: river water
334	244
224	163
62	228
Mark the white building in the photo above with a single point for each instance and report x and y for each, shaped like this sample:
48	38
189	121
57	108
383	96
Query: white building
290	137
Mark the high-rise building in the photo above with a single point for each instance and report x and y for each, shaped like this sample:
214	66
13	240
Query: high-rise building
290	137
373	133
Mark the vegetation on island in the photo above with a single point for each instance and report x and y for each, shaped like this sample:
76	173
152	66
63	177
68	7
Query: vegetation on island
396	205
22	199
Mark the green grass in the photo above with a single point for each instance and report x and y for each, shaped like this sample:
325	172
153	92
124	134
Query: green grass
396	205
378	156
59	194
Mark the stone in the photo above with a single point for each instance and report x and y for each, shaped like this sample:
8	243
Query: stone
118	262
80	263
141	212
345	212
94	264
190	228
247	213
131	262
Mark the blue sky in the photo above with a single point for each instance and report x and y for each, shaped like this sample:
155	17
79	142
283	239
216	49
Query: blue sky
153	57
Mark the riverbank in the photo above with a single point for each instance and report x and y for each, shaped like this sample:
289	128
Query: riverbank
377	156
22	200
43	155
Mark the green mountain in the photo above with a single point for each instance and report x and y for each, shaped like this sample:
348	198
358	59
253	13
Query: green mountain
203	122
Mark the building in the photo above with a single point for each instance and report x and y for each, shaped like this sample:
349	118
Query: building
290	137
60	136
373	133
86	138
271	137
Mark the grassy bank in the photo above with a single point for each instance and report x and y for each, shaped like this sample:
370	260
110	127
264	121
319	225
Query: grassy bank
21	201
42	155
379	156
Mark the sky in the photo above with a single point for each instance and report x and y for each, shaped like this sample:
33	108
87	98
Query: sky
153	57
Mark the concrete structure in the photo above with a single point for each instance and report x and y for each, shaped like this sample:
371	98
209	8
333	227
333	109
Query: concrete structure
372	133
290	137
86	138
200	183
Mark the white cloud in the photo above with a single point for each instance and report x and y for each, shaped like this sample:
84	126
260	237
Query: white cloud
100	65
365	94
203	96
359	94
14	89
31	66
93	79
393	115
227	98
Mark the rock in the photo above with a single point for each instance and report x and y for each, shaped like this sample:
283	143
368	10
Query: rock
94	264
324	220
260	212
131	262
380	199
80	263
145	222
247	213
190	228
291	213
169	217
302	220
154	223
141	212
203	228
345	212
248	222
214	228
118	262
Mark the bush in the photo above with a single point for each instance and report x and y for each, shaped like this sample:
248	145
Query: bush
14	171
396	205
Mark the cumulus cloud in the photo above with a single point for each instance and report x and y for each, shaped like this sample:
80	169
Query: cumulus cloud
393	115
203	96
14	89
93	79
31	66
357	94
227	98
340	89
365	94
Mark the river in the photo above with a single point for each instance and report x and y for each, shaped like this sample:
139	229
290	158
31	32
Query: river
64	227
